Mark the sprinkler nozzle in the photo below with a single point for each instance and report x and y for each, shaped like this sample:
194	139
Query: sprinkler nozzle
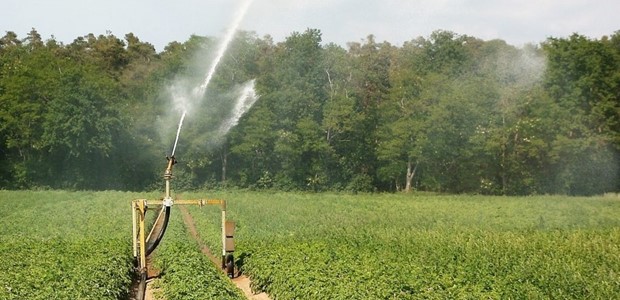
171	162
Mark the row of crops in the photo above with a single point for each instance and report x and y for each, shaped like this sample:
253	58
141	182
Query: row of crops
64	245
77	245
186	272
325	246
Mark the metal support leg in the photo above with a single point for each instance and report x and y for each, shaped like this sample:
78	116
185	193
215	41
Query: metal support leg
142	208
134	229
223	237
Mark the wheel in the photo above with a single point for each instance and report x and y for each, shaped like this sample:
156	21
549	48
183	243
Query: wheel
230	266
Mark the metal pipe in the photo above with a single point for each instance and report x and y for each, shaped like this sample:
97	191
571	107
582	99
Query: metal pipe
159	216
142	272
168	174
223	230
141	206
134	229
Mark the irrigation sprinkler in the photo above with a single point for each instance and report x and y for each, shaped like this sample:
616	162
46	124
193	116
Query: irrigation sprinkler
144	245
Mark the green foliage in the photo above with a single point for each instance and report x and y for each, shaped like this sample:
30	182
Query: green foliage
77	245
65	269
581	78
360	183
399	246
447	112
188	273
60	245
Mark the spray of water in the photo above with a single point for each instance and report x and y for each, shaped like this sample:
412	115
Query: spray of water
176	140
182	100
245	100
200	91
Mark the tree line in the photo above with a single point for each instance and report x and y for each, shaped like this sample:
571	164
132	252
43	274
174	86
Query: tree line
446	113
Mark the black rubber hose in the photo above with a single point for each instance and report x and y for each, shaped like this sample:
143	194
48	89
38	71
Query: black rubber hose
151	246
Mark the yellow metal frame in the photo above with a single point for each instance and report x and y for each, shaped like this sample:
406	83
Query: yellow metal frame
139	207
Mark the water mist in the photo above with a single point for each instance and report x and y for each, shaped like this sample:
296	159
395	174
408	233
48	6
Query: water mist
245	100
200	91
183	100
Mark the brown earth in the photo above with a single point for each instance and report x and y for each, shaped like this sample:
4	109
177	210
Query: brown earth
151	276
243	283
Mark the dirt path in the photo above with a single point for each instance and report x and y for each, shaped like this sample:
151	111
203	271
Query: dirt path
152	275
241	281
148	294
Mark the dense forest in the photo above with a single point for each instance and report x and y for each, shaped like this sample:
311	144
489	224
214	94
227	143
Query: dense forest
445	113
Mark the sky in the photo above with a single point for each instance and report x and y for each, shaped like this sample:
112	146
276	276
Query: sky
158	22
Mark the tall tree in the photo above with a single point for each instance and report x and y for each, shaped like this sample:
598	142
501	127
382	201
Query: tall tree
371	81
294	87
582	78
339	113
403	117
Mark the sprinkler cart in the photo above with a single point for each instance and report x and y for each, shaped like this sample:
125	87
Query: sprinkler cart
143	245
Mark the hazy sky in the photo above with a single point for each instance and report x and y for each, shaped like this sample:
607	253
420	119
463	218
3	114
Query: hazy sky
160	22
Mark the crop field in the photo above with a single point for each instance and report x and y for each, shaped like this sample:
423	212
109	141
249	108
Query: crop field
64	245
77	245
327	246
